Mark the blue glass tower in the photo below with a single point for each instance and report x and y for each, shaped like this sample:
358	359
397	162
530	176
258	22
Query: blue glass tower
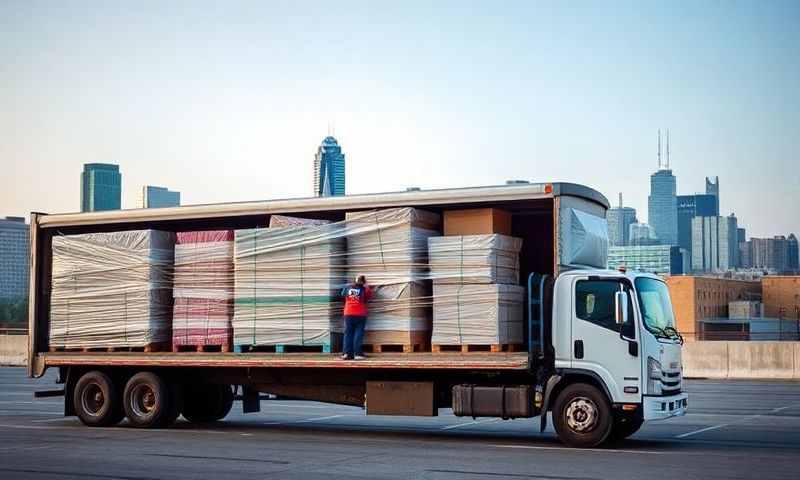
662	206
329	169
101	187
159	197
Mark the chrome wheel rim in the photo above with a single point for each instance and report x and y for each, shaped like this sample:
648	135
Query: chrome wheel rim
92	399
581	415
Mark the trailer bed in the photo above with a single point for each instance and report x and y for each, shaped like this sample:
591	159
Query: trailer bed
426	361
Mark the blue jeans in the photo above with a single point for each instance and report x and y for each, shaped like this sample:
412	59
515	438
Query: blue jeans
354	335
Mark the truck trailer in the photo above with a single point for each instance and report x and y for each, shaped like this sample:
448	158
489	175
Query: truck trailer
600	347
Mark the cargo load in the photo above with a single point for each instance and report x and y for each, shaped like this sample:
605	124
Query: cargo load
488	314
287	284
469	259
390	248
477	221
203	290
476	299
112	290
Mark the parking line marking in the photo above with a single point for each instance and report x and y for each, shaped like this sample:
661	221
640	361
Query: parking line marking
474	422
598	450
745	419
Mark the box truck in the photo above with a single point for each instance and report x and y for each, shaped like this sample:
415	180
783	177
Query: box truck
600	350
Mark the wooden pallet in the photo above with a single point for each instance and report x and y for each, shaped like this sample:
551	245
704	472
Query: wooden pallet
466	348
149	348
395	348
202	348
334	344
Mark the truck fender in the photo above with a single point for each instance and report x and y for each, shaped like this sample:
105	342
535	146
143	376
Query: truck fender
551	383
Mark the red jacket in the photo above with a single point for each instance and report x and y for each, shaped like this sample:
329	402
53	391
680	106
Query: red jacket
355	300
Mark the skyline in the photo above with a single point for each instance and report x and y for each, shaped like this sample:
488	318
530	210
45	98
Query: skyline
230	104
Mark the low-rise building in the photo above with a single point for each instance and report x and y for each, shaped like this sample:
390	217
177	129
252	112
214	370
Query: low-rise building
781	296
698	298
660	259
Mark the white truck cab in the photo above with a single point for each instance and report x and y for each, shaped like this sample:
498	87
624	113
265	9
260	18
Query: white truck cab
615	332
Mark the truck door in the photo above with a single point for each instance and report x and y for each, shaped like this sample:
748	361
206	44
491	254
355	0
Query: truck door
599	344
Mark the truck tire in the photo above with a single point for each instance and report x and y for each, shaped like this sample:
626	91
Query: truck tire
97	401
207	403
147	400
582	416
624	427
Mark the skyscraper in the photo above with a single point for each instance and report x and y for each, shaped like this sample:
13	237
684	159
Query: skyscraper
712	188
715	245
619	222
641	234
690	206
13	258
101	187
329	169
662	206
159	197
793	255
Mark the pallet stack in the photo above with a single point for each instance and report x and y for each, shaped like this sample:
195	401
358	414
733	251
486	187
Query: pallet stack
476	298
112	290
203	291
389	247
287	283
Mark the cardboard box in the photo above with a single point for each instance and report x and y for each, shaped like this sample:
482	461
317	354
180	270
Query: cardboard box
477	221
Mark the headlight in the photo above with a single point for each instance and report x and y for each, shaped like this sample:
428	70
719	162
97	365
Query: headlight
653	376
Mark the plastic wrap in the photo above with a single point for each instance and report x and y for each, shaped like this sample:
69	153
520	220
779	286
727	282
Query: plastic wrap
203	289
479	314
111	289
475	259
390	248
287	283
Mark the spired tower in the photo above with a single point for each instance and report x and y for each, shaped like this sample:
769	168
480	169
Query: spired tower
662	204
329	169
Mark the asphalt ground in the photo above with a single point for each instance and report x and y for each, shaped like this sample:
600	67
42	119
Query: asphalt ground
732	430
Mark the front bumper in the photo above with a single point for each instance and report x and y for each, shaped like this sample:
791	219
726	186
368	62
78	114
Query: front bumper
659	408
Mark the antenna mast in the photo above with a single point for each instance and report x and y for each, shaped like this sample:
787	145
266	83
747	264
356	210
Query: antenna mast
668	149
620	199
659	149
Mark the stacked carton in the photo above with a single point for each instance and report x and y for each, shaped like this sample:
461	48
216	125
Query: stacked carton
203	289
389	247
476	297
112	290
287	283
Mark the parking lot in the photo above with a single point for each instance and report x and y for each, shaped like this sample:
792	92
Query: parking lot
733	430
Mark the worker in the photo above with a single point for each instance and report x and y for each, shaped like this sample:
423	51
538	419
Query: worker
356	297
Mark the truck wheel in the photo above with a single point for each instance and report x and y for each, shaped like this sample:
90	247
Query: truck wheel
582	416
97	400
146	400
207	403
624	427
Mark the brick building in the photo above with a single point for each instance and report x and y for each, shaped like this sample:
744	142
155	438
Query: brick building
781	296
698	298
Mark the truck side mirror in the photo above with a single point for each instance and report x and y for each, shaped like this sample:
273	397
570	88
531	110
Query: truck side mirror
621	308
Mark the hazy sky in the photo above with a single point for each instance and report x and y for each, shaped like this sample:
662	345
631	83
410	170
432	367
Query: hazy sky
228	100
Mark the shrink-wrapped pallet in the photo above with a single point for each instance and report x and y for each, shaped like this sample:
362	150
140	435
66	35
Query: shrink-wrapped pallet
478	314
111	290
390	248
287	284
470	259
203	289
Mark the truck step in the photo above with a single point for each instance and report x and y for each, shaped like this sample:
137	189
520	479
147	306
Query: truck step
395	347
202	348
466	348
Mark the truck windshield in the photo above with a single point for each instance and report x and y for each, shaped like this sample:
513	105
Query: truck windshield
656	307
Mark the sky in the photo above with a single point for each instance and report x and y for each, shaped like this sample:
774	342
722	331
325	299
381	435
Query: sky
228	101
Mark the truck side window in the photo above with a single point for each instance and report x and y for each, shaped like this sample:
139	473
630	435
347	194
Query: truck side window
594	302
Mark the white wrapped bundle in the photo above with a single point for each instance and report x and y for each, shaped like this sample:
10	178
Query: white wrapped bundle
390	248
111	289
488	314
287	284
471	259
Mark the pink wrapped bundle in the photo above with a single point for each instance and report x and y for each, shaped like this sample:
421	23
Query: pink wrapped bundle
203	289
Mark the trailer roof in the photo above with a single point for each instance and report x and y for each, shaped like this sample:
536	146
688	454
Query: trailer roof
498	193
